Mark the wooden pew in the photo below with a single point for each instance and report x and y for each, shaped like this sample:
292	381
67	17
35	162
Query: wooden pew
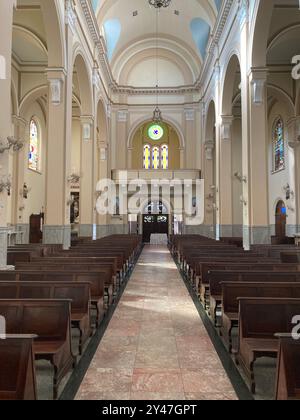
290	257
97	280
216	278
259	320
89	264
17	370
78	293
50	320
206	268
231	291
288	368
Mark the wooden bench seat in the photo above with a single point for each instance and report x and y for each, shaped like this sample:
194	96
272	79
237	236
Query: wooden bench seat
97	280
216	278
231	291
17	369
77	292
206	268
50	320
288	369
259	320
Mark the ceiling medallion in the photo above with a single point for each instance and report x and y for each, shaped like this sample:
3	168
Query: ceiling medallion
158	4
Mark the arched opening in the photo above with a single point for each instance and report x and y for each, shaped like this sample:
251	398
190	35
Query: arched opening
233	166
81	213
155	147
155	220
280	220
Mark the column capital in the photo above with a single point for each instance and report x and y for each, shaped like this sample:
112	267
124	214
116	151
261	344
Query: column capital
19	121
258	80
226	124
209	146
122	115
56	77
293	128
86	122
189	114
56	73
86	119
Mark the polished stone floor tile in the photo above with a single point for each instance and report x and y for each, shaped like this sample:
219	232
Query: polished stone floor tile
156	346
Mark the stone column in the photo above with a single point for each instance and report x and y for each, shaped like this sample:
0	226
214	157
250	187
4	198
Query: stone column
190	139
18	200
226	215
258	154
122	132
87	172
293	144
6	13
57	227
210	197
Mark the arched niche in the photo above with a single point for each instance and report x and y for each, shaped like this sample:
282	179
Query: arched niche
141	138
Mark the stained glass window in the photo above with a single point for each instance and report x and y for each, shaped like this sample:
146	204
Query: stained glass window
34	147
155	132
155	158
147	157
278	146
165	157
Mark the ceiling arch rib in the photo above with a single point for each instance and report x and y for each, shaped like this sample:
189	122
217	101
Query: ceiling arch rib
169	48
187	24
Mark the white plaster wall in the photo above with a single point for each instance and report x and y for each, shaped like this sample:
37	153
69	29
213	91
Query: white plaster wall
278	180
35	181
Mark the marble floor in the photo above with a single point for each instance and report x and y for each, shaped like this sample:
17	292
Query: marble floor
156	347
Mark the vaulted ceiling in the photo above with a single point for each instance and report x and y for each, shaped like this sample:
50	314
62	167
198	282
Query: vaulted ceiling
130	30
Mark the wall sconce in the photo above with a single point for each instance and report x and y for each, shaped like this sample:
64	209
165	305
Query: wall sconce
240	177
5	185
288	192
73	178
214	188
12	143
243	201
25	191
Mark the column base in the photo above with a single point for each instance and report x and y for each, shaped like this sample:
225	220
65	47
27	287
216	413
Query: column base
3	247
85	231
256	235
25	229
57	235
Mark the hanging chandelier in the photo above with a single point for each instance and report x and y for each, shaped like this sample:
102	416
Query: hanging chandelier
158	4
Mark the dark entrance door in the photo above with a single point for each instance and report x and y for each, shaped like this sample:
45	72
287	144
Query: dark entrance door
280	220
154	224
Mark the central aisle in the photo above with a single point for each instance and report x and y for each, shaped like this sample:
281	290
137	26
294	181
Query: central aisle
156	346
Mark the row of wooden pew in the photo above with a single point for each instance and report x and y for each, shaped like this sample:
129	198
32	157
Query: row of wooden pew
50	292
257	292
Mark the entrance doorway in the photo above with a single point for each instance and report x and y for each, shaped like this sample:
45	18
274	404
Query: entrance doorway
155	220
280	220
